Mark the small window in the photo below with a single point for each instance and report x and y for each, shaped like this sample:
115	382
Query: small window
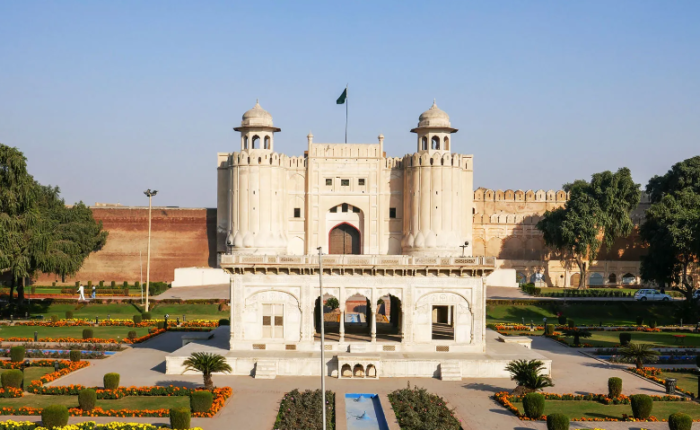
392	212
334	209
345	207
345	182
329	182
297	212
356	209
360	182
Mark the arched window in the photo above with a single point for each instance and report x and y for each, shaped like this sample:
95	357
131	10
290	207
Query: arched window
446	145
267	142
254	144
425	143
612	279
245	142
435	142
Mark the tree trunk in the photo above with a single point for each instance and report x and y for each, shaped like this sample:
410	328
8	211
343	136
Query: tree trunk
12	290
582	279
687	286
639	363
20	292
208	382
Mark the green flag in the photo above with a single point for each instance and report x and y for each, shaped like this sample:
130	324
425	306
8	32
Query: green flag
341	99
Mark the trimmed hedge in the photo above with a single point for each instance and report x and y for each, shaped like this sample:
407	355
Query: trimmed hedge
557	422
625	338
549	330
131	335
201	401
88	333
111	381
224	321
54	416
54	318
533	404
641	406
180	418
137	319
146	316
17	354
12	378
415	408
680	421
160	325
75	355
69	315
87	399
614	387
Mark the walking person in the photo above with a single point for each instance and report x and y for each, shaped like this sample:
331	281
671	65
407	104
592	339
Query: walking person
81	292
94	293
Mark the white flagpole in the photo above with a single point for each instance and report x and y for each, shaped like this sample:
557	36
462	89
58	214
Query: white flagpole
346	113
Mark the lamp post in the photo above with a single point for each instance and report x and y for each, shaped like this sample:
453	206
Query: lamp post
323	335
466	244
150	195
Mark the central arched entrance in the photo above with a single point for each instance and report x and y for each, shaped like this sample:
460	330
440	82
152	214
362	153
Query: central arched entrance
344	239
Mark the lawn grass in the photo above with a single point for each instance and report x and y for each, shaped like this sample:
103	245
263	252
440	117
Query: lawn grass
77	332
612	338
126	310
589	409
589	313
129	402
34	373
687	381
207	312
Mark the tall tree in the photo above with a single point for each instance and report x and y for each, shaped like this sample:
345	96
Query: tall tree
596	213
37	231
671	227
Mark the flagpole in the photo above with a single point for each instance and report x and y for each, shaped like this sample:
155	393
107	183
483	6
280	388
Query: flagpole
346	113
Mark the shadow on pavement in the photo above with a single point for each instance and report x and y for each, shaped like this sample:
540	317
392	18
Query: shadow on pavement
160	368
480	386
186	384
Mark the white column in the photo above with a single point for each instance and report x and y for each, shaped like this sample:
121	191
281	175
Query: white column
373	315
342	323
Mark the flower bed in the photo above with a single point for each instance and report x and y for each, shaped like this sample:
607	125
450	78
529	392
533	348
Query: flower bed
508	401
417	409
300	410
38	353
11	393
652	372
89	425
114	323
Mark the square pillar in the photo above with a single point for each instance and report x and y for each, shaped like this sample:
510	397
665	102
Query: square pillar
373	315
341	327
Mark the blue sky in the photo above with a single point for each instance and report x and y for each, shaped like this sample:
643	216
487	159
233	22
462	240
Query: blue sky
107	99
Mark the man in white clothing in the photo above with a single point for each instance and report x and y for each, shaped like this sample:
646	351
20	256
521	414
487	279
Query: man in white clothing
81	291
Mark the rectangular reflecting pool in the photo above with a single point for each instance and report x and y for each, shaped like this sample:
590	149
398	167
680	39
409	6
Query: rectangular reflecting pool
364	412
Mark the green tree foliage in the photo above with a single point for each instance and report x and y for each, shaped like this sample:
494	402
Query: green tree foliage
639	354
597	213
332	303
672	226
38	233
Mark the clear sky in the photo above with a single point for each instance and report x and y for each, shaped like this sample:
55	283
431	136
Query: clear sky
108	98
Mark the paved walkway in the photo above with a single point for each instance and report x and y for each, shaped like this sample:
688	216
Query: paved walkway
255	402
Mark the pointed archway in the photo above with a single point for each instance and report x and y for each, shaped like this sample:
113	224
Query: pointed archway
344	239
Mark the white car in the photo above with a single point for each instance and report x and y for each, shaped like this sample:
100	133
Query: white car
650	294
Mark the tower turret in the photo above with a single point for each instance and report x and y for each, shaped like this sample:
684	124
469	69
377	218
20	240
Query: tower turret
434	131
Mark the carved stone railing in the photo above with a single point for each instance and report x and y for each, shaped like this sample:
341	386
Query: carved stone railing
355	260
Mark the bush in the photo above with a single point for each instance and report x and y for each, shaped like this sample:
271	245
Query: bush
113	285
69	315
89	285
54	318
548	330
77	284
137	319
54	416
131	335
160	325
17	353
415	408
557	422
137	285
562	320
111	381
652	324
88	333
201	401
12	378
125	285
87	399
641	406
75	355
625	338
533	404
614	387
572	324
102	284
680	421
224	321
640	320
146	315
180	418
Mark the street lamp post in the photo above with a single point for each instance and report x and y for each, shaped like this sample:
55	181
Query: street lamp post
150	195
466	244
323	335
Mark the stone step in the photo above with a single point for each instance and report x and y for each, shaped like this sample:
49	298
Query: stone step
450	370
265	369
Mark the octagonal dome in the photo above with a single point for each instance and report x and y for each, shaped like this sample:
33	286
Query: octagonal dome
256	117
434	117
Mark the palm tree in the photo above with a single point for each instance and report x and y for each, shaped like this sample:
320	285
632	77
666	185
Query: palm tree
639	354
207	363
577	334
527	375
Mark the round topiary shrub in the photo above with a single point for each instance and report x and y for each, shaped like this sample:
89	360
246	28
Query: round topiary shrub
160	325
12	378
180	418
146	315
87	399
88	333
224	321
17	353
641	406
54	416
201	401
131	335
557	422
640	320
137	319
75	355
54	318
548	330
69	315
561	319
111	381
533	403
572	323
625	338
680	421
614	387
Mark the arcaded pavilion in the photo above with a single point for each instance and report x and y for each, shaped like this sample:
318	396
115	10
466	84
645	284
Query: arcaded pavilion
404	294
